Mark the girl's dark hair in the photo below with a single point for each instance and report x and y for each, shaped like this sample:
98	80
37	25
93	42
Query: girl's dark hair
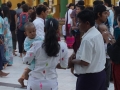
1	12
117	11
51	44
71	4
6	13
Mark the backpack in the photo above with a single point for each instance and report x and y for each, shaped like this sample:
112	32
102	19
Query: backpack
23	18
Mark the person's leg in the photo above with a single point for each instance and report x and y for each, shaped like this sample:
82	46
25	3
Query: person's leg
1	67
14	39
24	76
116	76
95	81
20	41
5	62
108	71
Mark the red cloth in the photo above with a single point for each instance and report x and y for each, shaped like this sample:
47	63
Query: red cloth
116	75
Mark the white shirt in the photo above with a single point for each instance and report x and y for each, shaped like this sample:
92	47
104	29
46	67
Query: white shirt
39	25
92	51
69	16
45	66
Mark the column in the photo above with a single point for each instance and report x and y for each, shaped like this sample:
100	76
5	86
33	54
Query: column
63	8
29	2
117	3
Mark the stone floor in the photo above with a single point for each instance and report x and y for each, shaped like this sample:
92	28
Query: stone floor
65	79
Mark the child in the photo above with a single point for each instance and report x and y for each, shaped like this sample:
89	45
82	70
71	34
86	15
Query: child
30	31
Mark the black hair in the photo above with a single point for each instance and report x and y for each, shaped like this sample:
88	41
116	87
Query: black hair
99	9
9	4
89	8
81	7
40	9
46	4
117	11
51	44
108	2
1	12
6	13
81	3
71	4
87	15
19	5
97	3
32	16
119	3
25	8
23	2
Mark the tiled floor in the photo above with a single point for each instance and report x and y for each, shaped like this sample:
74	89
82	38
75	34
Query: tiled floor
65	79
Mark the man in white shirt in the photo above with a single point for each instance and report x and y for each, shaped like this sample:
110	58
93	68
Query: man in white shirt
39	22
90	58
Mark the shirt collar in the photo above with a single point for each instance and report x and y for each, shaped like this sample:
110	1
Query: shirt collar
40	19
92	28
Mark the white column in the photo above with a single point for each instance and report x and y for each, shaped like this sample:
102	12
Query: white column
118	2
50	3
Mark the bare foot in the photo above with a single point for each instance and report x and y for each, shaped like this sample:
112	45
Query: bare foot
3	74
14	54
21	81
5	65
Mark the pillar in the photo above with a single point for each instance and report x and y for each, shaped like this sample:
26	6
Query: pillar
88	2
56	8
63	8
117	2
29	2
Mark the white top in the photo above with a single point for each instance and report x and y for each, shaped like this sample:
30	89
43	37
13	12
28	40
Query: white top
63	30
92	51
39	25
45	66
69	16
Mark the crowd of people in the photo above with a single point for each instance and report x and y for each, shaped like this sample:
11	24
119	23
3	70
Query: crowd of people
96	31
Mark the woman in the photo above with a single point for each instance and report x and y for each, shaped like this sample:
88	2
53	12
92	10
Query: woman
1	62
116	28
47	55
5	62
8	36
68	19
13	26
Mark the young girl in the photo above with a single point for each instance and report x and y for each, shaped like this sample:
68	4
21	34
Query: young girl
30	31
8	36
49	55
